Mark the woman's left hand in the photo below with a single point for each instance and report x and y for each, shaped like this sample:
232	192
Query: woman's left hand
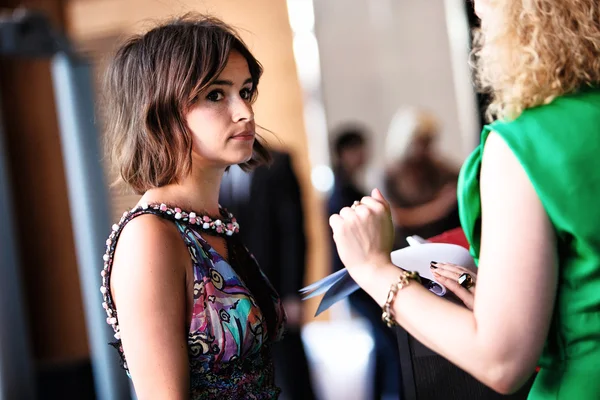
449	275
364	234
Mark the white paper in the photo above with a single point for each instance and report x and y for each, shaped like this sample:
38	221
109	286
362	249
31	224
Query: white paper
417	257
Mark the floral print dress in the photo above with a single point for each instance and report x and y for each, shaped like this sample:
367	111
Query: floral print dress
228	342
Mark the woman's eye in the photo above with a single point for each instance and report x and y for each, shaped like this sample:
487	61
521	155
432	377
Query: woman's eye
246	93
215	95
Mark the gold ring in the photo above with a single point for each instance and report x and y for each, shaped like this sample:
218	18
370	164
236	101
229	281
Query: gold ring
354	205
466	281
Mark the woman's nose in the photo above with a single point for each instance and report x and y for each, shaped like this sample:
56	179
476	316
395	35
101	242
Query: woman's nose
242	110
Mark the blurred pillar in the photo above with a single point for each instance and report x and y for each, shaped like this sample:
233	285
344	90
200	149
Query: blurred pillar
88	201
25	33
16	374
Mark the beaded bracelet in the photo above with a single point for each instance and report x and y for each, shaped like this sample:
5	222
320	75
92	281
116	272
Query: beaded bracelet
403	280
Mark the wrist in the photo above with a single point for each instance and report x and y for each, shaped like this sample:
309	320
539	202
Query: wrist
388	315
364	272
376	278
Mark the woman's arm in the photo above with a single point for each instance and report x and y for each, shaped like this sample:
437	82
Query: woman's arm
429	212
149	289
500	342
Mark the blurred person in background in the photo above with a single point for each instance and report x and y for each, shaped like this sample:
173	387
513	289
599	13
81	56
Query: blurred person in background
350	154
350	147
421	188
193	314
419	184
528	201
268	205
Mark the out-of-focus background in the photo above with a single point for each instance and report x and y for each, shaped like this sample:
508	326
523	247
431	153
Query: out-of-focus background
356	92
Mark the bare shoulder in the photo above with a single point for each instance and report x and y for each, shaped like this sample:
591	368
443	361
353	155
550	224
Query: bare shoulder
496	148
503	171
148	286
508	195
150	252
149	232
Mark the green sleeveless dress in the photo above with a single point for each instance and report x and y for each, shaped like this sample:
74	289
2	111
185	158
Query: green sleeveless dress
558	145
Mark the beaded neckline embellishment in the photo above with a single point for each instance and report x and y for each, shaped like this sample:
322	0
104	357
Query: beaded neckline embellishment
225	226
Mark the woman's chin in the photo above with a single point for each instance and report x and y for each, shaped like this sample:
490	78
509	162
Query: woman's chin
241	157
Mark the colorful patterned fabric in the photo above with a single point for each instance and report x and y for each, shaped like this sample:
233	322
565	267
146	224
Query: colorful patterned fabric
228	342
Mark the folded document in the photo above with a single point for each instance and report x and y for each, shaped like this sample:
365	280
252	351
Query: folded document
416	257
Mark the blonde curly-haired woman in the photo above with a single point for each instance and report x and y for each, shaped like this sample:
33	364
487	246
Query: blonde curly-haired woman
528	199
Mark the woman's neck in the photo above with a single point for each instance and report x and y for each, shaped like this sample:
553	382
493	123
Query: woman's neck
198	192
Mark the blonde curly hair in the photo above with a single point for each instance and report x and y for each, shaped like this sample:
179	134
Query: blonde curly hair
533	51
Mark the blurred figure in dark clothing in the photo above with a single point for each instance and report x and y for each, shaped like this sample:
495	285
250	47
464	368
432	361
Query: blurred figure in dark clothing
420	185
350	158
268	206
350	152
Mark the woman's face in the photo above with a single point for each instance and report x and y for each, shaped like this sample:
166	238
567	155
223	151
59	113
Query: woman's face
222	120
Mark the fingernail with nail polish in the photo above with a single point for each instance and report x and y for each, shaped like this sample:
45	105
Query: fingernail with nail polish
433	264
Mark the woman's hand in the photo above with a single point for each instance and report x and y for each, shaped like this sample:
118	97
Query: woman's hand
364	235
449	275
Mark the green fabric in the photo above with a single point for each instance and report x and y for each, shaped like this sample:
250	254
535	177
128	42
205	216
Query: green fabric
558	145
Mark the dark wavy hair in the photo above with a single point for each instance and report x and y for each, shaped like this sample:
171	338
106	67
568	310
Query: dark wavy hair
151	83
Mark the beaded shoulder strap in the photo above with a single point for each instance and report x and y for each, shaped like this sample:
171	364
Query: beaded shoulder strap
224	226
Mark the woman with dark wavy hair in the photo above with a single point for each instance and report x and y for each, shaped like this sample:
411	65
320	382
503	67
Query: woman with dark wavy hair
192	312
528	202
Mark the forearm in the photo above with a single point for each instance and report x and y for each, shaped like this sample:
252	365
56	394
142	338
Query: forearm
446	328
423	214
